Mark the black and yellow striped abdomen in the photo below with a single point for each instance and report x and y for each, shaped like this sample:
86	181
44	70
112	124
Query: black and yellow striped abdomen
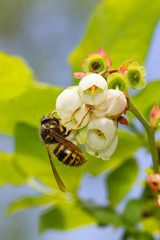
67	156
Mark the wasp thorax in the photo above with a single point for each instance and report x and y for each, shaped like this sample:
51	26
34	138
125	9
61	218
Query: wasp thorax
49	124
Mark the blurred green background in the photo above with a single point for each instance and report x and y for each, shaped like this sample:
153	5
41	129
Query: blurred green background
44	33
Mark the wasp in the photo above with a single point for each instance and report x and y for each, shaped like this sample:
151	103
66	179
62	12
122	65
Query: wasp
52	132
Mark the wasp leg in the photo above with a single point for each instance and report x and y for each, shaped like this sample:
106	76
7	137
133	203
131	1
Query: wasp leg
79	124
64	130
92	118
69	120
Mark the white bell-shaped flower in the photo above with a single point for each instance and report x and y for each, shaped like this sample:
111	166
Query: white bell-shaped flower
68	101
93	89
101	138
69	106
114	104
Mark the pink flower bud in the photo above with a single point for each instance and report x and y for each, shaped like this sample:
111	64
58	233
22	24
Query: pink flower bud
154	182
155	115
157	202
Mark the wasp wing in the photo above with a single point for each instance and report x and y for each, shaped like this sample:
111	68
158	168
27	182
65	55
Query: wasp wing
68	143
56	175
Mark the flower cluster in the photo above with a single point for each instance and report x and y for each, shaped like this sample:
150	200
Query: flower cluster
92	110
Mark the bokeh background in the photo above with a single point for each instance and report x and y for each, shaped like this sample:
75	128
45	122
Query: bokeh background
45	33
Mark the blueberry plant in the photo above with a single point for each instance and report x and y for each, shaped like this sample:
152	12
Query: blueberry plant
95	106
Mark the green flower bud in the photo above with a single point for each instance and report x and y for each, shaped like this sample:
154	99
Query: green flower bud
95	63
118	81
135	76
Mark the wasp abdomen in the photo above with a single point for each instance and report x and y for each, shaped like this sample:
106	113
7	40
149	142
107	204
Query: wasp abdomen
66	156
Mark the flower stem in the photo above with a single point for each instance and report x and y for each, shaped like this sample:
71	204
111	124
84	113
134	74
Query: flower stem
150	133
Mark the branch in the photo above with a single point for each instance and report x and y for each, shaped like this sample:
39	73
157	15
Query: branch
150	133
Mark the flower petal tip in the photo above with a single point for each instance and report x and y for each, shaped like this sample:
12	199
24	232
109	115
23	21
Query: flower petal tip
102	52
124	66
79	75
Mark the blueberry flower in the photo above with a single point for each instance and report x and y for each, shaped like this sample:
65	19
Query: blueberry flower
97	62
101	138
118	81
135	75
70	108
93	89
114	104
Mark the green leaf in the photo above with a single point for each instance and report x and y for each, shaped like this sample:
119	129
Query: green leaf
134	210
9	174
139	235
133	143
143	211
30	152
151	224
114	26
66	216
144	236
104	215
15	77
149	171
149	95
29	107
32	158
30	202
121	180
